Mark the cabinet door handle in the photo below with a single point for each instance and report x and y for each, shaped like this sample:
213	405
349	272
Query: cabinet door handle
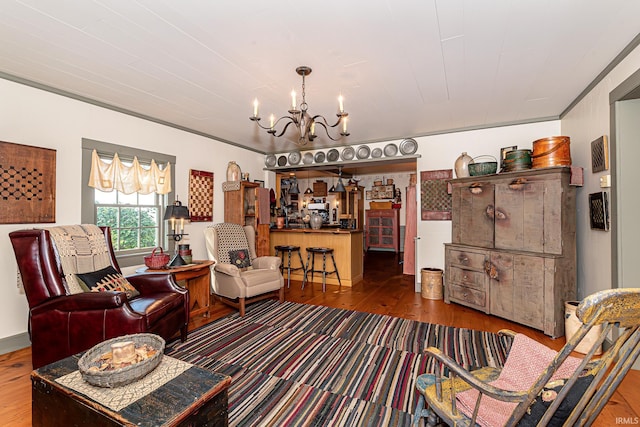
475	188
491	270
490	211
499	215
495	213
518	184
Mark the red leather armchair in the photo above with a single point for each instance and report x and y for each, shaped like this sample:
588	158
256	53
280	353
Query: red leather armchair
62	324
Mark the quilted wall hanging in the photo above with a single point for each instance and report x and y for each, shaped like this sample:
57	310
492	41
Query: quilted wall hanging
200	196
435	199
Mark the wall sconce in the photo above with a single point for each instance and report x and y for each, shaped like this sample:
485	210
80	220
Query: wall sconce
176	214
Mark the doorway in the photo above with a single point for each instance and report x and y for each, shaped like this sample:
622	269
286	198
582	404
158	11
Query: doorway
625	175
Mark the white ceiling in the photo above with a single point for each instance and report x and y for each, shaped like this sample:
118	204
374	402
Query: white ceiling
405	67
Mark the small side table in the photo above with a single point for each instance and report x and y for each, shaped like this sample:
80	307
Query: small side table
196	277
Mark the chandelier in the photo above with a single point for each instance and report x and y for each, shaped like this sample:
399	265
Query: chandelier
304	122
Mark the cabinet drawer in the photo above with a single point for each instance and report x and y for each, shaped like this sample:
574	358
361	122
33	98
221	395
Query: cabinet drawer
467	259
470	278
468	296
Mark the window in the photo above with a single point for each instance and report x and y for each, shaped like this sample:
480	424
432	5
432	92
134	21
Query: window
136	220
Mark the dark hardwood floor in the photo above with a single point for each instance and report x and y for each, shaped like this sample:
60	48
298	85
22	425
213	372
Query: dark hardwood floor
384	290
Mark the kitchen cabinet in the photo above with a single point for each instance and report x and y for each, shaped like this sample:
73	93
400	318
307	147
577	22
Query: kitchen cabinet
513	250
383	229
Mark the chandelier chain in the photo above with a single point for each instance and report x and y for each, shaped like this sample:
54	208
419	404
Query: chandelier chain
303	105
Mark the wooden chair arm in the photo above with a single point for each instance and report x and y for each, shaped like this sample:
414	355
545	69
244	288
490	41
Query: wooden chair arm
469	378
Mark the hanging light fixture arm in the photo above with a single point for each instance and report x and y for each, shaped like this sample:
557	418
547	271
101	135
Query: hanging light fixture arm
320	120
303	121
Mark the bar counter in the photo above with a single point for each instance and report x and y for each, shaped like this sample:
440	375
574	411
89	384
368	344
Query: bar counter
347	247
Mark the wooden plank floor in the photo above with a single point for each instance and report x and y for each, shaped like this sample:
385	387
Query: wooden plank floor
384	290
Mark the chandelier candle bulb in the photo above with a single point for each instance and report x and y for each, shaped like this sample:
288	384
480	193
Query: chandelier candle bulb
293	99
255	107
272	120
341	103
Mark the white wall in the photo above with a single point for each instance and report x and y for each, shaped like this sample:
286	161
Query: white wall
587	121
35	117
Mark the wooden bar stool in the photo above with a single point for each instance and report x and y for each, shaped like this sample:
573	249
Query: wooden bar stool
289	249
311	255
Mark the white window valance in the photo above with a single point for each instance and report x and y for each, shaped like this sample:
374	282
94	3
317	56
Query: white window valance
129	179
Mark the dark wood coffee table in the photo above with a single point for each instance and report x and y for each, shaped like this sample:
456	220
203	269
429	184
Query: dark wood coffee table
195	397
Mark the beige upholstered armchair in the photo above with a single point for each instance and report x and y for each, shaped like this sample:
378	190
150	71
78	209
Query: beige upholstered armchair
241	277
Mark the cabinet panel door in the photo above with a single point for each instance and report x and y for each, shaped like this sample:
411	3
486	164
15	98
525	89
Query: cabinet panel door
519	216
555	201
471	225
517	293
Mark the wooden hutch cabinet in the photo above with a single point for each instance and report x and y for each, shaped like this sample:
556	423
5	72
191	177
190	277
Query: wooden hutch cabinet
383	229
513	250
241	206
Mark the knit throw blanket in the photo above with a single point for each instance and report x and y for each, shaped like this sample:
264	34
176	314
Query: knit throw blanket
527	360
80	249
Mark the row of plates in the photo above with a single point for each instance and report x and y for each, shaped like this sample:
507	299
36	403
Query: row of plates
407	146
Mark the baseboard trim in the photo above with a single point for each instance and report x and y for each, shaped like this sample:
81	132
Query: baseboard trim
15	342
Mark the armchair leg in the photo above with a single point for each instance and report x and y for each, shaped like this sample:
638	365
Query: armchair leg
241	301
281	294
183	333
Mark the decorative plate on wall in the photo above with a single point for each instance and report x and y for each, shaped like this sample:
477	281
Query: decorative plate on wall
294	157
319	157
376	153
270	161
363	152
307	159
348	153
390	150
282	161
408	146
333	155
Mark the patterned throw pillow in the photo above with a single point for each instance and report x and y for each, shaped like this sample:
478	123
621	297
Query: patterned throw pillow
240	258
107	279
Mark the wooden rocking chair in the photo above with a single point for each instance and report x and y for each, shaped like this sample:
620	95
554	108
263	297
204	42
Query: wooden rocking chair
567	391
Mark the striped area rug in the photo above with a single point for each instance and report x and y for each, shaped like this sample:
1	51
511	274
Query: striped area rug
298	364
